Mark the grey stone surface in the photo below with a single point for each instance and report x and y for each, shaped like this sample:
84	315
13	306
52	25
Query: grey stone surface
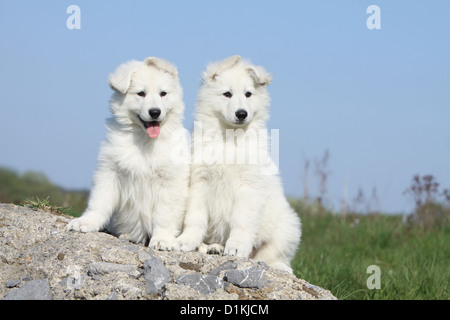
31	290
12	283
156	275
101	268
224	266
39	259
203	284
252	277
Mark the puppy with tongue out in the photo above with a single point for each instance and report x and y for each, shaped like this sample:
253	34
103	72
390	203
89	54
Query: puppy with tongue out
152	102
140	187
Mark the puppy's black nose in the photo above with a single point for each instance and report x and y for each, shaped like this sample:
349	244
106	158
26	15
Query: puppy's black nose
241	114
154	113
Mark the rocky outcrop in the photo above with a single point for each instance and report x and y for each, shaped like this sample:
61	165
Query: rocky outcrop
39	259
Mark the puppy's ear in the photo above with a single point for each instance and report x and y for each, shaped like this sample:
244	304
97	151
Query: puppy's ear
215	68
120	79
260	75
162	65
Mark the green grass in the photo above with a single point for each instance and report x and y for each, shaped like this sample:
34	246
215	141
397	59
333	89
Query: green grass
335	253
45	204
36	187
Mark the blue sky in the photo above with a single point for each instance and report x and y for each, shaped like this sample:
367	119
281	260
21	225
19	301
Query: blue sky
378	100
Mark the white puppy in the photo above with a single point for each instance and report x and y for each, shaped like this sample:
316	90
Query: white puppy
235	200
141	184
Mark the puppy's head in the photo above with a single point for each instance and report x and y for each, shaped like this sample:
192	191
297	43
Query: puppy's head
146	94
235	90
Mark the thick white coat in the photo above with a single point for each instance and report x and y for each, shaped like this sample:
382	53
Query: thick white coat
141	184
235	204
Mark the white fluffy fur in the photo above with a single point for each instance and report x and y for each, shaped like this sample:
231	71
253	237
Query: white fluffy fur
141	184
239	205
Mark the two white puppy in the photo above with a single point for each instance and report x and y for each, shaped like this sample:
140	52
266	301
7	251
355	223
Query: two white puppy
141	187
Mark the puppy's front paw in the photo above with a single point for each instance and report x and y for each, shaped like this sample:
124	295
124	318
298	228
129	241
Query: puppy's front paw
84	224
162	244
214	248
238	248
185	244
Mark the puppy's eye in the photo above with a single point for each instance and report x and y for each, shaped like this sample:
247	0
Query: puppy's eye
162	93
228	94
248	94
141	94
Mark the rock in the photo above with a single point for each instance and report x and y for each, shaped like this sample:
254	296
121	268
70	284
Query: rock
108	267
156	275
12	283
39	259
225	266
252	277
203	284
31	290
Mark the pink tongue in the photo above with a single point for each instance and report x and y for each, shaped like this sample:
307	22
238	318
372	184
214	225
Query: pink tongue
153	130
